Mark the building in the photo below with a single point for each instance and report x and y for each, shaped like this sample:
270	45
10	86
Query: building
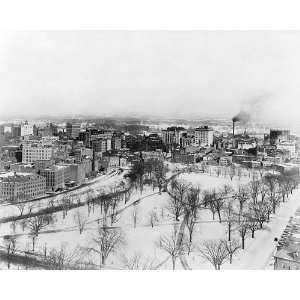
172	135
279	135
287	255
20	167
55	177
180	156
49	140
16	130
101	145
203	136
43	164
289	147
72	130
36	151
26	129
116	143
21	186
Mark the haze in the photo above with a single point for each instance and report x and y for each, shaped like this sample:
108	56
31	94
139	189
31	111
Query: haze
171	74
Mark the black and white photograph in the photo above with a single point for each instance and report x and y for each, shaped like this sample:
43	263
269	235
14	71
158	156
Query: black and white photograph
151	150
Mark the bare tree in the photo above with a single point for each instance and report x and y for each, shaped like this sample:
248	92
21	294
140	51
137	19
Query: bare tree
242	196
105	206
106	241
232	170
215	252
208	200
232	247
177	194
153	218
259	211
35	225
243	229
192	205
159	172
253	223
219	200
135	214
62	258
230	217
254	187
65	203
272	190
137	262
169	244
10	243
20	206
80	221
263	189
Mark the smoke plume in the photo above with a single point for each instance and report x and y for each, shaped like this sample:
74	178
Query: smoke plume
242	117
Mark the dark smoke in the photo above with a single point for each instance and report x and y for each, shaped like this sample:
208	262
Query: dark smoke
242	117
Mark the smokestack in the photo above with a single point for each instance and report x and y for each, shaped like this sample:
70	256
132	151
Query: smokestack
233	124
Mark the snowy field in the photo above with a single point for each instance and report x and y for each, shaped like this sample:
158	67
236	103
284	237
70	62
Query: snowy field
141	236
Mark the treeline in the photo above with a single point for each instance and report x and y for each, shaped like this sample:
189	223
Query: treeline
244	211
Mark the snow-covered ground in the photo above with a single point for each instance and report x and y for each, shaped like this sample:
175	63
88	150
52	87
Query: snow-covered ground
142	239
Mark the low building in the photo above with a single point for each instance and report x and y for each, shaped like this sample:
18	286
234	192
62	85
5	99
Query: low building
16	186
287	255
182	157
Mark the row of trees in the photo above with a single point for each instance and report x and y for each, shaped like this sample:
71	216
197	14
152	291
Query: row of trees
244	210
151	172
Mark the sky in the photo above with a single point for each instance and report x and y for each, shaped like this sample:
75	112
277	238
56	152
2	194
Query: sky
161	73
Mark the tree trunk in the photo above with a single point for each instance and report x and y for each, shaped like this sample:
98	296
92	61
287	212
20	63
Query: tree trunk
243	243
219	215
173	262
230	258
252	233
213	215
33	243
229	232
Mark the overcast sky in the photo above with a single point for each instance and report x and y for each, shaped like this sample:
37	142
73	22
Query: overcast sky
160	73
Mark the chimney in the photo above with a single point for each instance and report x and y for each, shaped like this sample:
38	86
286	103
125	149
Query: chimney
233	124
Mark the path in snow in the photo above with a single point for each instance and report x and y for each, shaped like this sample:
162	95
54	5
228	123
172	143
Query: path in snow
258	251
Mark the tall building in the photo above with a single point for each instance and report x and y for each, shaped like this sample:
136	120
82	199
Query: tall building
101	145
20	186
72	130
16	130
172	135
26	129
203	136
36	151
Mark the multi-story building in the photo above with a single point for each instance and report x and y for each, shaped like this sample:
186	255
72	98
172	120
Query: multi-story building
26	129
203	136
16	130
116	143
72	130
279	135
172	135
49	140
36	151
49	130
55	177
101	145
20	186
289	147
